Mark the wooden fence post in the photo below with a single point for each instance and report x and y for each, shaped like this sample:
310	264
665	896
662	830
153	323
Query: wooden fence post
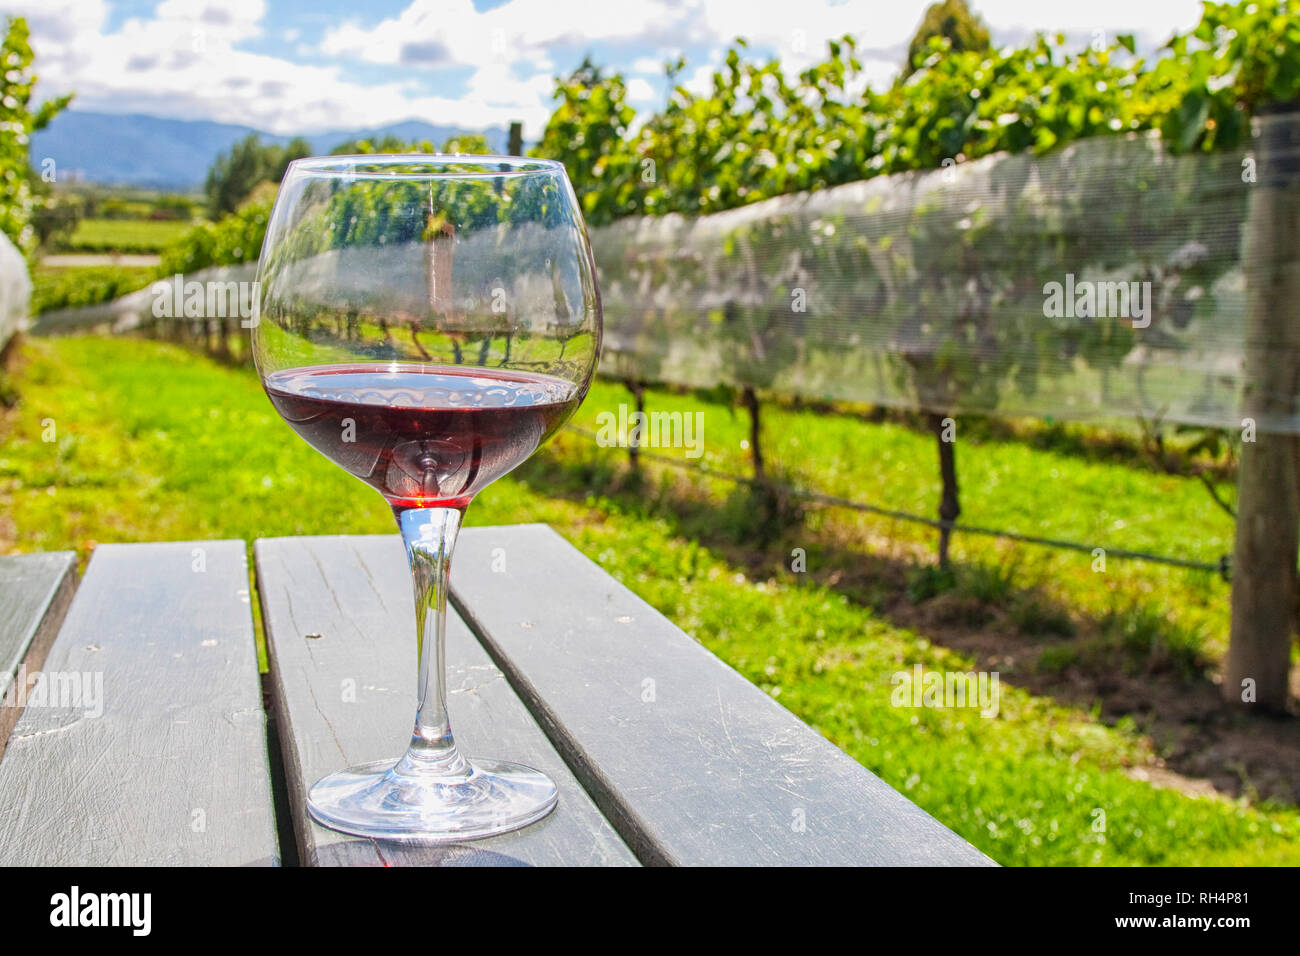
634	440
949	501
1268	482
750	401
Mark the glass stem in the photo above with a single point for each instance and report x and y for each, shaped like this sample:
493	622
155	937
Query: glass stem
430	536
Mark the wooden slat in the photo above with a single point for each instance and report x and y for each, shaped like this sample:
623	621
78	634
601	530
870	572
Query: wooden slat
711	770
35	591
355	594
174	769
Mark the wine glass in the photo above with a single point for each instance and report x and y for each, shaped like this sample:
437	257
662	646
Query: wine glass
426	322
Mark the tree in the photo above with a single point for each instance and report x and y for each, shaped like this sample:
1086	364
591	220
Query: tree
389	144
588	132
54	217
474	144
17	123
234	175
950	19
468	144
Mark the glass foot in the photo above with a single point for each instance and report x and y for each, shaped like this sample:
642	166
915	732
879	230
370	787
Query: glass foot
373	801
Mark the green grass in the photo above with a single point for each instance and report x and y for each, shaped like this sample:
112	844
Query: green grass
124	235
61	287
153	443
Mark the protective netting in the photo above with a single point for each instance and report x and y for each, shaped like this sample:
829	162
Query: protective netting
1104	280
15	289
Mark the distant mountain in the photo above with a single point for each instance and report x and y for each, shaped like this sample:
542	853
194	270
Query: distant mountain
138	150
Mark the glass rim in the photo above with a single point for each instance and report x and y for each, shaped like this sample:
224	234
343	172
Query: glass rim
422	166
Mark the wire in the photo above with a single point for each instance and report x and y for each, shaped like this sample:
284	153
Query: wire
1222	567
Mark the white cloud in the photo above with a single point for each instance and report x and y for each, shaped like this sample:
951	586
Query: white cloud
648	64
639	91
183	62
700	82
1153	20
496	84
457	33
798	33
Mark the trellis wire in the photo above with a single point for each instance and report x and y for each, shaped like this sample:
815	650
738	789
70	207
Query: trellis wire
1221	567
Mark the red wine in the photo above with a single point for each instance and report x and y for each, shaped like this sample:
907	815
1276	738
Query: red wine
423	436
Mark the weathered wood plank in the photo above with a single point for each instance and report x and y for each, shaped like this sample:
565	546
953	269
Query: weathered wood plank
697	767
347	696
156	751
35	591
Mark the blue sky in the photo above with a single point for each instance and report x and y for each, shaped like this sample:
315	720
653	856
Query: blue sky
303	67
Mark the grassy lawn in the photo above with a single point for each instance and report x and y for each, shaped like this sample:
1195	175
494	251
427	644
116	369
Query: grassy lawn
151	442
124	235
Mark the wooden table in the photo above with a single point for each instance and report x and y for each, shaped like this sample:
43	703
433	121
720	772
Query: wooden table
186	755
